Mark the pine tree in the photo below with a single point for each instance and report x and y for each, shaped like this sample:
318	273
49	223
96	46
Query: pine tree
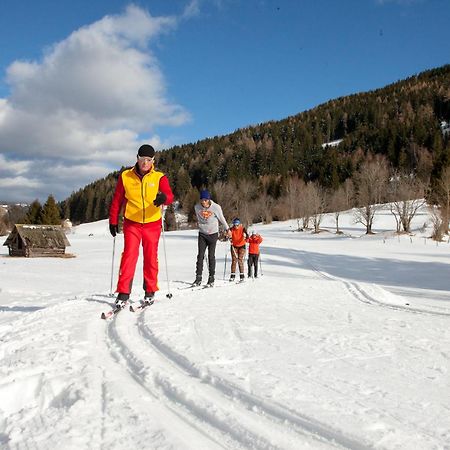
34	213
50	213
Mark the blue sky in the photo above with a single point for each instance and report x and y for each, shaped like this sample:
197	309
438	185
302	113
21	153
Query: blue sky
83	84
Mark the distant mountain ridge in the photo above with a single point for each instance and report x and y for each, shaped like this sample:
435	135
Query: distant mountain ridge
402	121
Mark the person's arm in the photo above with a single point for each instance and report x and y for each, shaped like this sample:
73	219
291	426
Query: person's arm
221	217
164	187
116	203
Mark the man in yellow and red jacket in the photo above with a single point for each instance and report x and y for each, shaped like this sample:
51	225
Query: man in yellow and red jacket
140	192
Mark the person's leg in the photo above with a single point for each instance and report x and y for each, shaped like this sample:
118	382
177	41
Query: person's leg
212	242
234	259
255	262
202	244
150	239
132	238
241	255
249	265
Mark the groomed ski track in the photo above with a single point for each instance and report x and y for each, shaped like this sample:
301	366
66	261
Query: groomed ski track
300	358
219	410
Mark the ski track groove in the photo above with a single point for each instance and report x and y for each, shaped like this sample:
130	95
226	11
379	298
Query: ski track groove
359	293
103	408
175	403
271	412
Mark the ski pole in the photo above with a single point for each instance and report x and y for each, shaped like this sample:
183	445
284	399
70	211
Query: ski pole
112	267
168	295
260	265
225	265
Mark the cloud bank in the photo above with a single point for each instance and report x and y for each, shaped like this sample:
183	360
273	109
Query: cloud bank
80	112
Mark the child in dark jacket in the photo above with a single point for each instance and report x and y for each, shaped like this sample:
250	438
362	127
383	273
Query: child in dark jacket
253	253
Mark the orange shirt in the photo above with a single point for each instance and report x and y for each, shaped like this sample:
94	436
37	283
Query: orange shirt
238	235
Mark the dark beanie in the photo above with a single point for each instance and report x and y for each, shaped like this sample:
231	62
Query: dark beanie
146	150
205	195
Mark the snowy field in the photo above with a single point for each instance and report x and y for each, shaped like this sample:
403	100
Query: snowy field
344	342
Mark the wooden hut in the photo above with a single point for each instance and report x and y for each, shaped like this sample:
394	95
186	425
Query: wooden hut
37	240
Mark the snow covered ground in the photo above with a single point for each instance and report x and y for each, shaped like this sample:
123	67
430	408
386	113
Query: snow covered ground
344	342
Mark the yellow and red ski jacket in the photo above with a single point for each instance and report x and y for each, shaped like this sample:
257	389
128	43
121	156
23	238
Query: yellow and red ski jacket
135	194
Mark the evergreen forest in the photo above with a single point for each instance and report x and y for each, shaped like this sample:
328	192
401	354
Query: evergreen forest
254	171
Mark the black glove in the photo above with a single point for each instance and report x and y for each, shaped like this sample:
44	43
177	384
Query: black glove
160	199
113	229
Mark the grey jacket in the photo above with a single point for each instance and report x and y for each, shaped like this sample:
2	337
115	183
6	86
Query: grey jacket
208	218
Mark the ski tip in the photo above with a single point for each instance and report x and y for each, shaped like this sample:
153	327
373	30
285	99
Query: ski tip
169	295
103	316
131	308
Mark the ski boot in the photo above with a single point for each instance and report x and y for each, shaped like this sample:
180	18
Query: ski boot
210	282
122	300
149	299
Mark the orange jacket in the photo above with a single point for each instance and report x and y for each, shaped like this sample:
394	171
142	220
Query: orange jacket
254	240
238	235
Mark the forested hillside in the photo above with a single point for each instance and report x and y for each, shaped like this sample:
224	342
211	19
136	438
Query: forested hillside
406	123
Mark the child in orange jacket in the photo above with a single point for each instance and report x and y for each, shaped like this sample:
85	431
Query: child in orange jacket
253	253
238	238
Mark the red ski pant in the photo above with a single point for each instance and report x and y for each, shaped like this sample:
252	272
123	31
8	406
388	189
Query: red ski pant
134	233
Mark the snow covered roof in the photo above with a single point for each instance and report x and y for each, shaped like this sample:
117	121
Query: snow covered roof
332	143
39	236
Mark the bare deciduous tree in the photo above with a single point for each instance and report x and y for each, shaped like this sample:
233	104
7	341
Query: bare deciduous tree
243	200
371	183
305	207
264	206
237	200
339	201
407	197
443	198
349	189
226	194
318	199
436	221
294	190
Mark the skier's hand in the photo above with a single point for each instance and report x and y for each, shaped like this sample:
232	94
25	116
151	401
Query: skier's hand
160	199
229	234
113	229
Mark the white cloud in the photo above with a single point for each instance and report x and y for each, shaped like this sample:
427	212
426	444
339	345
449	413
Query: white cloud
400	2
88	99
192	9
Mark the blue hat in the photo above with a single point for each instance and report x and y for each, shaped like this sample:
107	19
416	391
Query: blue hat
236	221
205	195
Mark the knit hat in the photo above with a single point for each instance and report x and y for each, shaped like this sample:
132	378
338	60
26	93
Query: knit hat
205	195
146	151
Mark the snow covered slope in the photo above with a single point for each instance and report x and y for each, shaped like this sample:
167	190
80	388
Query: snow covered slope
342	343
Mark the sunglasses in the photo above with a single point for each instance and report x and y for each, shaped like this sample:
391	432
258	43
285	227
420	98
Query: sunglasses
145	159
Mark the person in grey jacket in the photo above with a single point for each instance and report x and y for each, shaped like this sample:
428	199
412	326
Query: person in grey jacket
208	214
